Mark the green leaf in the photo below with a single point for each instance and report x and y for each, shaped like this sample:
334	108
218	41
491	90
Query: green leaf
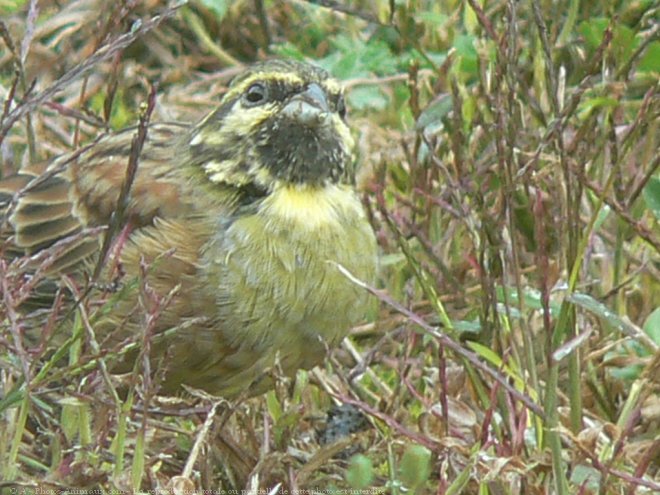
433	18
274	406
603	215
470	17
592	31
464	326
137	468
435	112
509	368
354	58
594	306
623	43
367	97
650	60
415	466
467	54
586	476
590	104
289	50
360	472
11	6
460	482
486	353
302	379
651	194
70	417
121	114
218	7
524	219
652	326
627	373
531	298
284	425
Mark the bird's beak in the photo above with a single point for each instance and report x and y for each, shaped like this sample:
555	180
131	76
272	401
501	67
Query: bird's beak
309	107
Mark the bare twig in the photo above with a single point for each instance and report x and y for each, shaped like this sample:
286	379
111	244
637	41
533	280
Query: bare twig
122	202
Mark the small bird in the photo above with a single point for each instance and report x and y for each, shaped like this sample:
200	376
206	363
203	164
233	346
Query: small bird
240	220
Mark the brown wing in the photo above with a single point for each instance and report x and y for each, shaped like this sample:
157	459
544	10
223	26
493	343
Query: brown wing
79	191
164	259
166	256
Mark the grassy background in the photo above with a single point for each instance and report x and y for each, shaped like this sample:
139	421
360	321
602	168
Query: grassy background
510	169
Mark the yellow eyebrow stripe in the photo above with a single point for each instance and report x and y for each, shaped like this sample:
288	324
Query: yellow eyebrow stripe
291	79
332	86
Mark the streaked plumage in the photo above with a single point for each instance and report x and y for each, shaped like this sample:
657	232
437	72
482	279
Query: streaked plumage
247	213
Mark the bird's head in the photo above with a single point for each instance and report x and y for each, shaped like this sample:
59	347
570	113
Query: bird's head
280	123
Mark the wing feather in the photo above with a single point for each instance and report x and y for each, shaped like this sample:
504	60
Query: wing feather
54	202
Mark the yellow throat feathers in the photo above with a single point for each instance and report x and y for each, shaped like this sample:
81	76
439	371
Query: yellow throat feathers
312	207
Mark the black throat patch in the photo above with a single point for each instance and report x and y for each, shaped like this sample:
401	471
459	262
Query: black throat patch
299	153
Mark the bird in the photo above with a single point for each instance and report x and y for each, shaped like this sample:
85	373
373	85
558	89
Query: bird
240	225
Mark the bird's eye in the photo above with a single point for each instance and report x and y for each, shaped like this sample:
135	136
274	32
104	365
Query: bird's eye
341	106
255	94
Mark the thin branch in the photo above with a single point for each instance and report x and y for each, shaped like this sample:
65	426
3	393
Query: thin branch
122	202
